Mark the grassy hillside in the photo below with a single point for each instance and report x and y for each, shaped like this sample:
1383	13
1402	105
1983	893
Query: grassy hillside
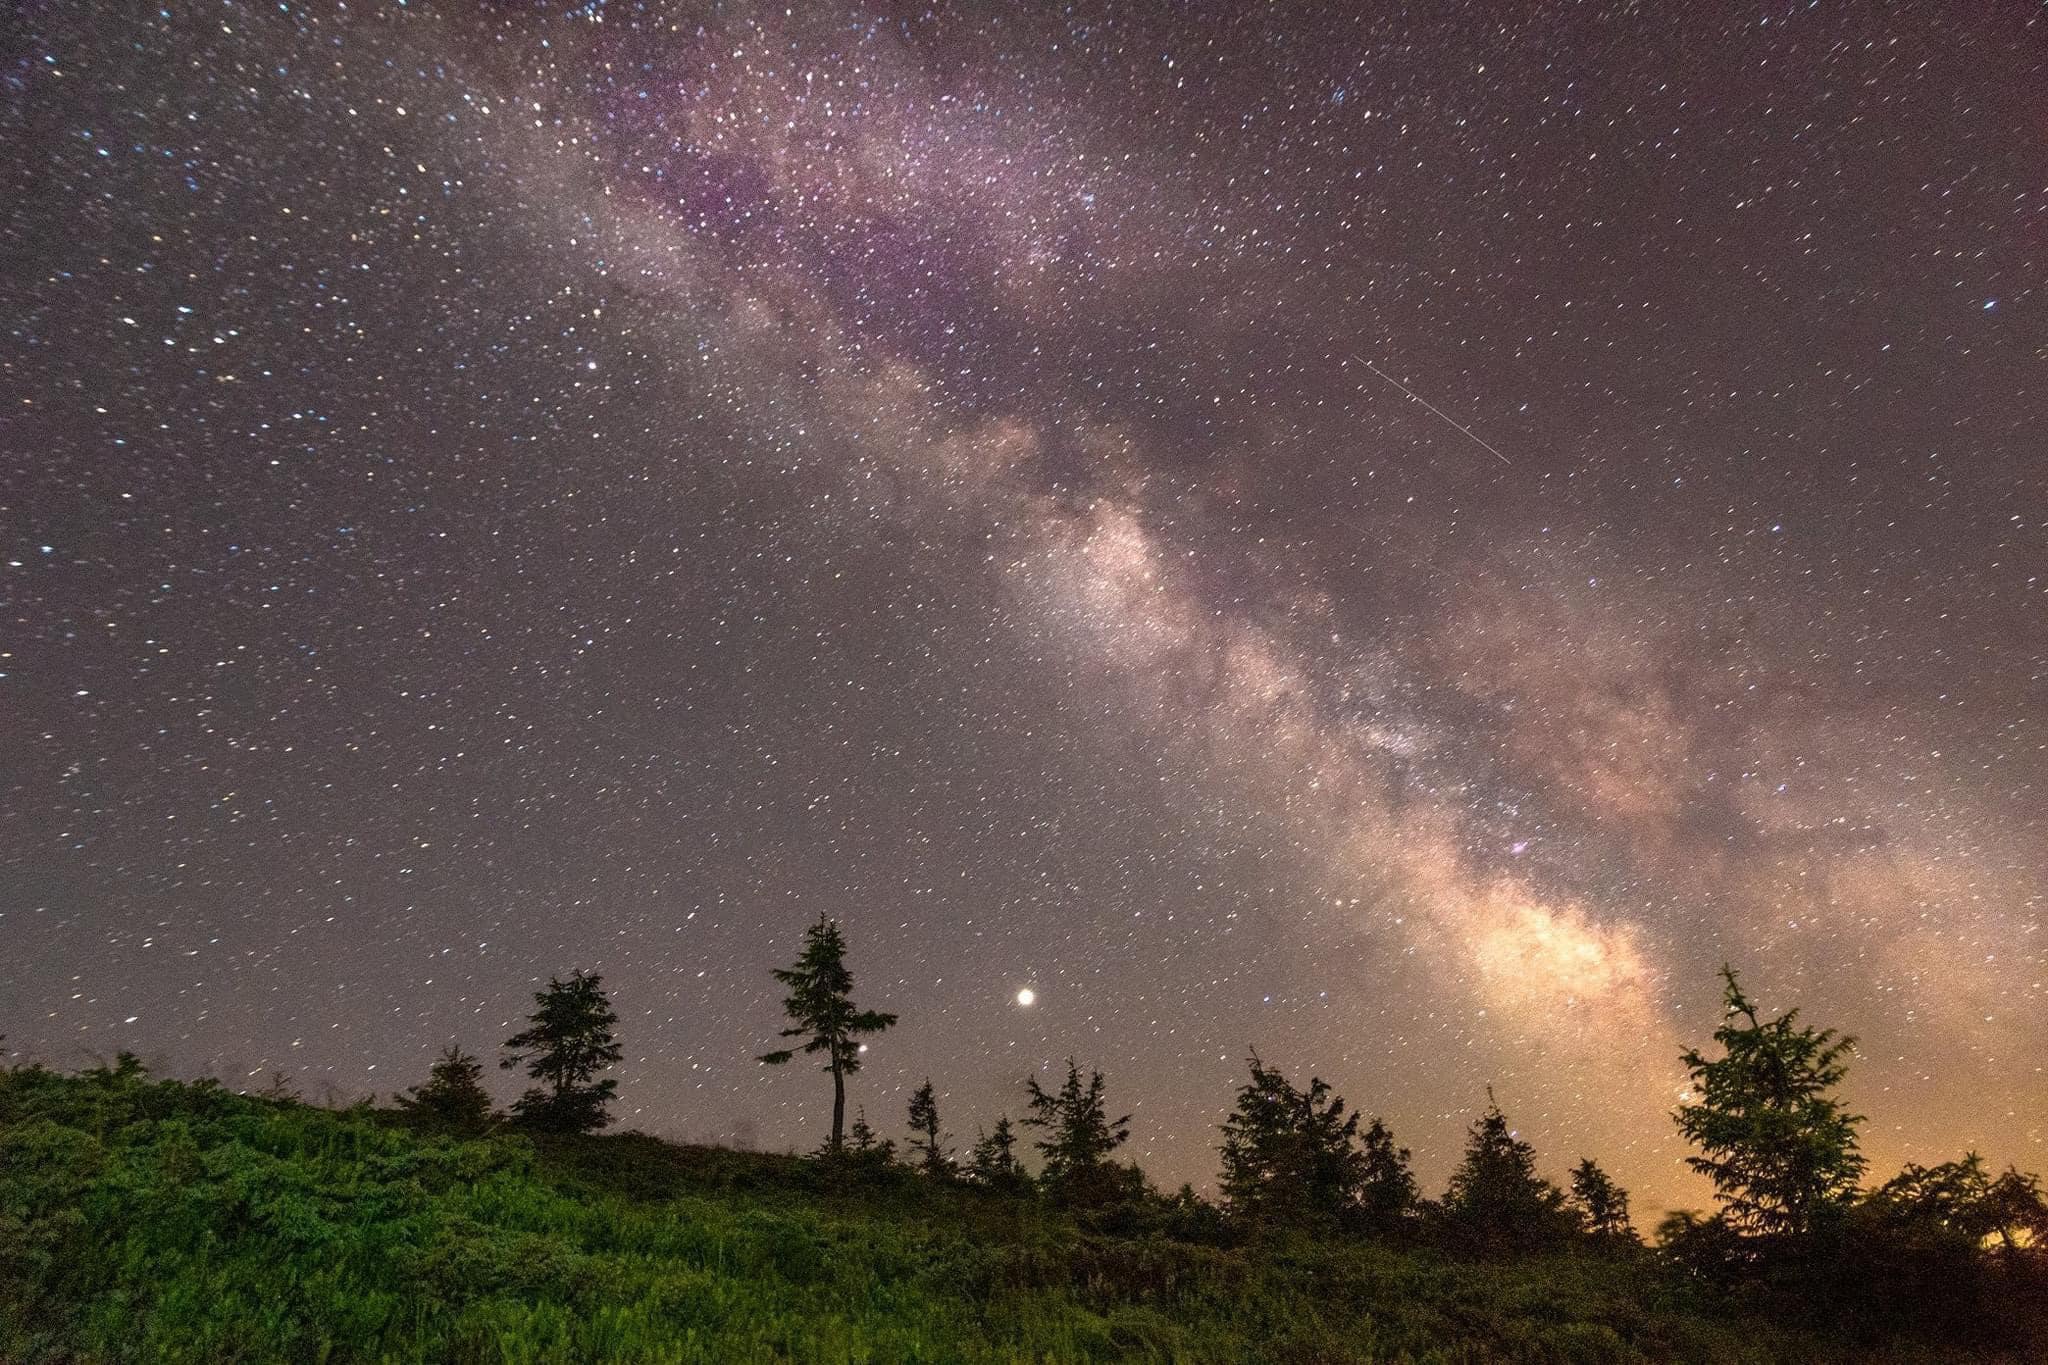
147	1220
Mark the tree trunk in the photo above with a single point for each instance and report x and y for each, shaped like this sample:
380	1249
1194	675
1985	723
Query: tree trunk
838	1104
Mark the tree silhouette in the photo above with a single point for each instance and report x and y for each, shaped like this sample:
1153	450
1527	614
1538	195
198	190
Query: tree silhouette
453	1099
1079	1134
2016	1213
1780	1149
1386	1191
864	1146
1290	1155
993	1162
924	1121
821	1011
567	1042
1962	1199
1495	1197
1601	1205
1950	1194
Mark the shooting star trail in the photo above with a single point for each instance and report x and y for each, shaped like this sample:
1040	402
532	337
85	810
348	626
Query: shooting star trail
1468	432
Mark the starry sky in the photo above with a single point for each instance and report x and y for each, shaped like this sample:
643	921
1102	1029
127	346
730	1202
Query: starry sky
493	488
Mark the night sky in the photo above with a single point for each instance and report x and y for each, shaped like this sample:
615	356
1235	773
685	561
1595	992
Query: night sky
487	489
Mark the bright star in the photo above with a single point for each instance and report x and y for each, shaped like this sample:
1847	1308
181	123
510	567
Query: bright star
1025	995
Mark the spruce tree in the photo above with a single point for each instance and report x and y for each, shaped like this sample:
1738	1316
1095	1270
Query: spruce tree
1601	1205
924	1121
2015	1212
1946	1193
1495	1198
1290	1155
453	1100
1386	1190
1079	1134
1779	1147
821	1012
567	1042
1962	1199
864	1146
1257	1144
993	1162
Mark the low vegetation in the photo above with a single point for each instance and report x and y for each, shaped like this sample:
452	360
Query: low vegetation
154	1220
144	1219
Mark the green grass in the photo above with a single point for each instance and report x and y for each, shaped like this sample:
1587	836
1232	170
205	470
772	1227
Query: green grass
156	1221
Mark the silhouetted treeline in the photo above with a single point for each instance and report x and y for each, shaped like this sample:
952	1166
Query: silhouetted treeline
1951	1248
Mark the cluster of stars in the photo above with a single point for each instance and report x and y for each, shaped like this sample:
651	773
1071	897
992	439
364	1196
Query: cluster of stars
490	490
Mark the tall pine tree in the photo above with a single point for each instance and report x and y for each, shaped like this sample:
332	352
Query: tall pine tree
567	1042
821	1012
1779	1147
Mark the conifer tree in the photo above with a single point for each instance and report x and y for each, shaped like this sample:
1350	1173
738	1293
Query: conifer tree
453	1099
1495	1196
568	1040
1944	1193
821	1012
993	1162
2016	1213
1601	1205
1386	1191
924	1121
1779	1147
1191	1218
1962	1199
864	1146
1079	1134
1290	1155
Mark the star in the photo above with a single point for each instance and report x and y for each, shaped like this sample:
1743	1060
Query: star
1102	494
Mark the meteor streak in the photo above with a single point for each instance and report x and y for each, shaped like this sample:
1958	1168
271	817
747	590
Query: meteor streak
1469	433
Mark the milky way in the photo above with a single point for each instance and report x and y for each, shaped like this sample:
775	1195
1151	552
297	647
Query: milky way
491	489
